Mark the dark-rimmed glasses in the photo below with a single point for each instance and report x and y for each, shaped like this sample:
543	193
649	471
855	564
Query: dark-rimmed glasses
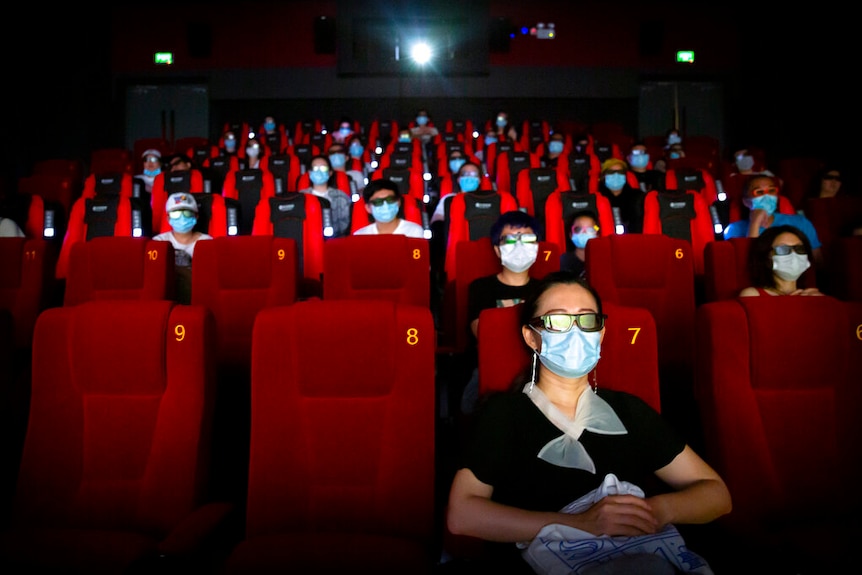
380	201
563	322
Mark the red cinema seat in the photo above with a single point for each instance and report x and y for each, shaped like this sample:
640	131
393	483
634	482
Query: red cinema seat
299	217
27	284
98	216
779	405
248	188
655	272
114	267
509	166
115	462
535	186
237	276
471	216
341	467
392	267
560	211
680	215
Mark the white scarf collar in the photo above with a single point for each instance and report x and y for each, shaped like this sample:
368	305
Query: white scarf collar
593	413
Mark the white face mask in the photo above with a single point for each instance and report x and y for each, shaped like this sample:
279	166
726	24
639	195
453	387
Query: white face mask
791	266
518	257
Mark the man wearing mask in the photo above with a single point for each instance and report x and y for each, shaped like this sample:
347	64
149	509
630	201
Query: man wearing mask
515	237
761	198
181	211
639	163
626	201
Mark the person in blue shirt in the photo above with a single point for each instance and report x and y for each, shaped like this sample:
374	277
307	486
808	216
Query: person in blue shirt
761	198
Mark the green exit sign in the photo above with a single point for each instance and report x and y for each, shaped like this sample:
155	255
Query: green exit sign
685	56
166	58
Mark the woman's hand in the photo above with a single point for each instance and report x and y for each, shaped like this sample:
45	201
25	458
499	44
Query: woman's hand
615	515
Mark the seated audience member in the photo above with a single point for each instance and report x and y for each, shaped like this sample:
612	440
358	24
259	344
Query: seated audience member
253	152
554	441
673	150
624	199
648	179
554	150
424	128
383	201
515	237
776	260
341	207
826	184
181	210
585	226
152	168
761	198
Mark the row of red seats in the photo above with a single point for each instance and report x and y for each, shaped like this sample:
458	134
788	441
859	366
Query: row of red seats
115	470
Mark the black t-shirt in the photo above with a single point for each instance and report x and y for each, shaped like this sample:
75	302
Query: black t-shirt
509	431
488	291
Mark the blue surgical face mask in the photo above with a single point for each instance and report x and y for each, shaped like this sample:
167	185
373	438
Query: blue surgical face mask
767	202
674	139
385	213
153	173
345	131
501	121
230	145
183	224
455	164
337	160
404	138
555	147
580	239
421	120
356	150
252	151
571	354
615	181
490	140
468	183
269	126
318	177
639	160
674	155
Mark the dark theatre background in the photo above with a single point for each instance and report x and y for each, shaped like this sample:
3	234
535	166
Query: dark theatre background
784	73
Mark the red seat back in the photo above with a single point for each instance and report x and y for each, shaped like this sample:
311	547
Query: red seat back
237	276
392	267
114	267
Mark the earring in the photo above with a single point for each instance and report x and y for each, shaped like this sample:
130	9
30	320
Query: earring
533	374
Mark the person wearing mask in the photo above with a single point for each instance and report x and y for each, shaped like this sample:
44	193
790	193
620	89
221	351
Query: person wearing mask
639	164
554	440
626	201
515	237
777	258
320	174
761	199
181	210
253	153
554	150
344	131
585	226
424	128
383	201
152	167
